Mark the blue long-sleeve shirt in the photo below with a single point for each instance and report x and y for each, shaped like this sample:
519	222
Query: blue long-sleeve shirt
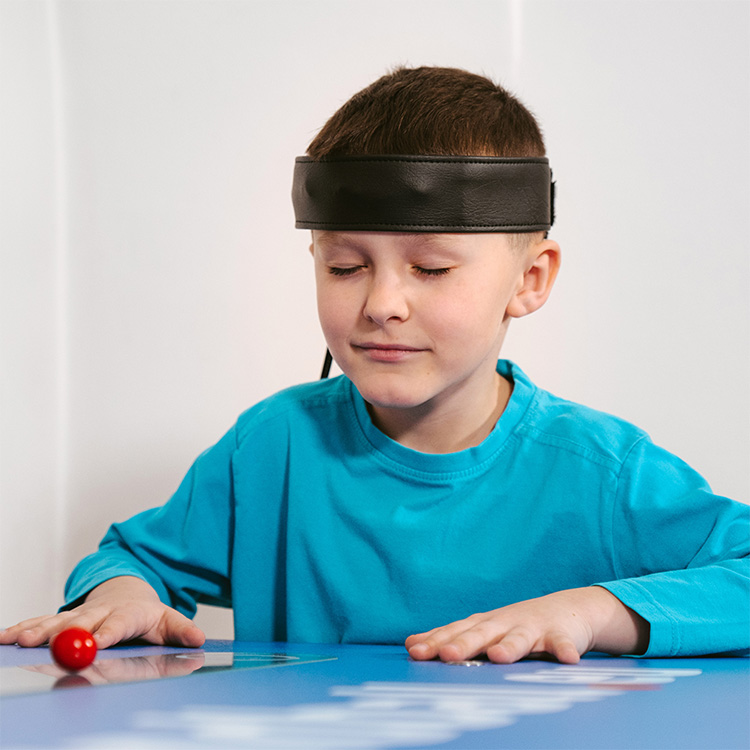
316	527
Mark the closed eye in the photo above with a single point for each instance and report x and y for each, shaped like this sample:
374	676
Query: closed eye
343	271
431	271
350	270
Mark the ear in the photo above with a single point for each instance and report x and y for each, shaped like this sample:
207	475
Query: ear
542	265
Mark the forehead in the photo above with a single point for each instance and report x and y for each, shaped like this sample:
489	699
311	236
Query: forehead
410	241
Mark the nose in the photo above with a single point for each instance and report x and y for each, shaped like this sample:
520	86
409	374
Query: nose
386	299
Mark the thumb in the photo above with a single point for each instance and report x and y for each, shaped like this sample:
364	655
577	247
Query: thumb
178	630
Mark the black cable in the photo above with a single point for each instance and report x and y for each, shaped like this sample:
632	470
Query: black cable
326	365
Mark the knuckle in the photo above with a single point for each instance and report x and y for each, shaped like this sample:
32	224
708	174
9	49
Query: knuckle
476	618
523	633
432	642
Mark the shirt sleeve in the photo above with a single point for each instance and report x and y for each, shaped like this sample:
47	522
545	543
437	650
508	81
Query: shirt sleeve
183	549
682	553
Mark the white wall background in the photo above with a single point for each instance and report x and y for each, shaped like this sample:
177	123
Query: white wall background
152	285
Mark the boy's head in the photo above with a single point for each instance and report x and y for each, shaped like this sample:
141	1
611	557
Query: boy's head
428	149
428	194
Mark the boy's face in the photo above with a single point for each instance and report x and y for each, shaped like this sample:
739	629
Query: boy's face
418	320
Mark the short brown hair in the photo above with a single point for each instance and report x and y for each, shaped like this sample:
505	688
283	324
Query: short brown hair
430	111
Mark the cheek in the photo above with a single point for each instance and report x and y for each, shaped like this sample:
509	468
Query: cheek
466	313
334	308
470	328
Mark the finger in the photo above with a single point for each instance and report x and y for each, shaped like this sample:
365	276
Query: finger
514	645
88	618
472	642
426	645
119	627
422	651
420	637
10	635
415	638
178	630
39	633
21	626
562	648
435	645
35	636
31	630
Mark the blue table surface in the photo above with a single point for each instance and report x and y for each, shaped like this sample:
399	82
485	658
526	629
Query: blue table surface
239	695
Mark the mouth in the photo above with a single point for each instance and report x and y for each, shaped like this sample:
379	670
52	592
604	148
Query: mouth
387	352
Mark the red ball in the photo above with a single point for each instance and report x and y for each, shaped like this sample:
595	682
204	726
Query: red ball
73	649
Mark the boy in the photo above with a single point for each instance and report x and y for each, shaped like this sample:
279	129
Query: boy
431	489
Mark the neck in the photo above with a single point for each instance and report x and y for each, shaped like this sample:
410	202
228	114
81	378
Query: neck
459	424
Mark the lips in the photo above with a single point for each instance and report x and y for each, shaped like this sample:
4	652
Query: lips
387	347
387	352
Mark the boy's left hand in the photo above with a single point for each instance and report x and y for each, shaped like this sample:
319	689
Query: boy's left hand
564	625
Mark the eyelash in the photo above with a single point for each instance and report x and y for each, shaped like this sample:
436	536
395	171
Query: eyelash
432	271
336	271
343	271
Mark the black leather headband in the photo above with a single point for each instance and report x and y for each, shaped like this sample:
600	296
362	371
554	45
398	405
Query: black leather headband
423	194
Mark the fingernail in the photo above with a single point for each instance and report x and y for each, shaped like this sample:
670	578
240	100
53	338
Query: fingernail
419	649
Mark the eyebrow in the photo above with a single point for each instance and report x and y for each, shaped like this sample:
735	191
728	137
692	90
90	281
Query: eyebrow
427	238
334	238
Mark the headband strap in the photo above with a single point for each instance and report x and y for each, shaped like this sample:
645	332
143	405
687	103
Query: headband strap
423	194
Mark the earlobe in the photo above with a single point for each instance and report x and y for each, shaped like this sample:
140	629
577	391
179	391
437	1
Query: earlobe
538	279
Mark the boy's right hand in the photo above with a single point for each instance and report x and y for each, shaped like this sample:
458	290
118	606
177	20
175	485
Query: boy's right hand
120	609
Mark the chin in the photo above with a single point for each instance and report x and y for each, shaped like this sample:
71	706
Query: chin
394	403
397	388
391	398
